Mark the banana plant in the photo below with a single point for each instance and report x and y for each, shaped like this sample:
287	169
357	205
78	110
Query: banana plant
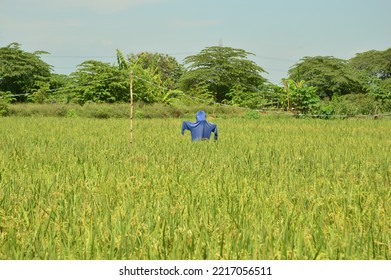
299	97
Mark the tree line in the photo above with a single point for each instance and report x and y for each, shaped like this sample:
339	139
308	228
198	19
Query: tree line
315	85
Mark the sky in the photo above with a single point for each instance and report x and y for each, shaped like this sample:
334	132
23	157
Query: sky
278	32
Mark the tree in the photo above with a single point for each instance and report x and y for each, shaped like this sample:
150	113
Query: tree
60	86
221	69
375	68
22	72
373	63
100	82
330	75
155	75
163	65
54	89
148	85
97	81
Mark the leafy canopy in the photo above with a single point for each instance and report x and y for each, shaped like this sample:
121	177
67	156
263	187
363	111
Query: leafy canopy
166	66
374	63
155	75
375	67
330	75
22	72
99	82
221	69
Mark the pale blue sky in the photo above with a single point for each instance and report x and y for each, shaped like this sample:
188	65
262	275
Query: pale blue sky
278	32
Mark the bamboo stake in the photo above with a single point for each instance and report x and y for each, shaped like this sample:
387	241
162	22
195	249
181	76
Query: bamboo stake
286	86
131	106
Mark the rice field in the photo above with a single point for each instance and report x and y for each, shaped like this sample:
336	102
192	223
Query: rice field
272	188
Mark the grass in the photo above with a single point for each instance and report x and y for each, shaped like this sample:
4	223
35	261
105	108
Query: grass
270	188
117	110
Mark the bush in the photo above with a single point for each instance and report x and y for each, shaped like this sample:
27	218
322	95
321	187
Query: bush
326	110
71	113
355	104
4	109
252	115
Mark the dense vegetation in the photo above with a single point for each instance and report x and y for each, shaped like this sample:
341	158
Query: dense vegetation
316	85
271	188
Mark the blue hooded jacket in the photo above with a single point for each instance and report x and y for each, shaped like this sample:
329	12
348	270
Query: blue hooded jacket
201	129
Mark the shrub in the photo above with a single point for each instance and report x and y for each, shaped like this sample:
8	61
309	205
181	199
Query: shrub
252	115
355	104
4	109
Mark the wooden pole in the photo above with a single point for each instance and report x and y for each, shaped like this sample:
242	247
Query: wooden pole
286	86
131	106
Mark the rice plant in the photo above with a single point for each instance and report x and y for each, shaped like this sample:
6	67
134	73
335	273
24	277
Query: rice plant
270	188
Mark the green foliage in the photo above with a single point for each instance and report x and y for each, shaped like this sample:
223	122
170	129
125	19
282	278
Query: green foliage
71	113
385	95
155	76
331	76
374	63
20	71
6	97
148	86
122	63
326	110
351	105
267	96
300	97
100	82
164	66
375	68
201	93
4	109
217	74
41	94
222	68
61	88
251	114
239	97
381	91
172	97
